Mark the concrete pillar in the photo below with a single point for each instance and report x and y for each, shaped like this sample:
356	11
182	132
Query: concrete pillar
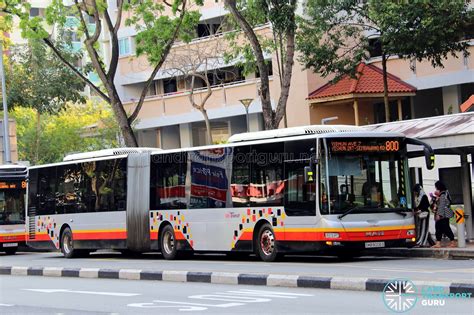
466	193
451	97
185	135
356	112
255	122
400	109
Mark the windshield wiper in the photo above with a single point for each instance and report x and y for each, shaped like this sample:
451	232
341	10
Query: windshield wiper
349	211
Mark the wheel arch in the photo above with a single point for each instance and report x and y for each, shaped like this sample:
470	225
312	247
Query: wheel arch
256	229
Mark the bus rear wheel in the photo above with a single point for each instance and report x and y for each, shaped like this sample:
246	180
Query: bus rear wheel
266	244
67	247
168	243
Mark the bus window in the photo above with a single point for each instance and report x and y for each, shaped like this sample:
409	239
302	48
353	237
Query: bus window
46	191
210	177
240	176
12	203
168	179
267	185
300	197
366	181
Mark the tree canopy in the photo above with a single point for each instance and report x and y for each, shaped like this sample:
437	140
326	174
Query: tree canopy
335	36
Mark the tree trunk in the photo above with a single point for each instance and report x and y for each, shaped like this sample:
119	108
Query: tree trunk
37	140
122	120
208	126
286	79
267	110
385	88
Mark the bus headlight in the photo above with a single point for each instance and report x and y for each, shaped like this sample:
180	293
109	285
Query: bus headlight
331	235
410	232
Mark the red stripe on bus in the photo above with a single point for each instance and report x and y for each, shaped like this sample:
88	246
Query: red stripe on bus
118	235
14	238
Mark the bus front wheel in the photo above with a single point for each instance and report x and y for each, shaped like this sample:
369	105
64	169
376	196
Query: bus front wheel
266	244
168	243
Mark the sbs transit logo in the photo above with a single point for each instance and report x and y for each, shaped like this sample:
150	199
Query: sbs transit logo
399	295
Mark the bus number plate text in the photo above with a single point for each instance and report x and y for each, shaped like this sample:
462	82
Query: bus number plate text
374	244
10	244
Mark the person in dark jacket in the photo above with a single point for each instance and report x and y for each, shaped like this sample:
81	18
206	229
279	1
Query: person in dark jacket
422	216
443	213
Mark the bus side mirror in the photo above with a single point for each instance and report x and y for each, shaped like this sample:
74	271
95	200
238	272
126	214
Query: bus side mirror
429	158
427	150
308	174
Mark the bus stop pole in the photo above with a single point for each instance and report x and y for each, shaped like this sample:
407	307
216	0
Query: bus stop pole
466	193
6	132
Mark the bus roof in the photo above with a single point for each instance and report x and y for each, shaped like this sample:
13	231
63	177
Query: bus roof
106	153
13	171
293	131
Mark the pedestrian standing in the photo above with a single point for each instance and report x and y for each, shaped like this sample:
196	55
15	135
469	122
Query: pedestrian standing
442	215
422	215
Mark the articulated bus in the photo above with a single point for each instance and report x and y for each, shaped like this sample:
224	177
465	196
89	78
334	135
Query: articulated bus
13	181
315	189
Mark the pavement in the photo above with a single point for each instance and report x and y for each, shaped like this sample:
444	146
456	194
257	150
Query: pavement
49	295
440	253
363	274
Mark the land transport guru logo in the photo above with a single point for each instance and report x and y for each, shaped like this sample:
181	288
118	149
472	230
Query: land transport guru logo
399	295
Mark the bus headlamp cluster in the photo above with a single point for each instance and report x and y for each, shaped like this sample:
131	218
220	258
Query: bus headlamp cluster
331	235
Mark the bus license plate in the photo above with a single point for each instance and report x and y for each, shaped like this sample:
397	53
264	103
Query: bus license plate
10	244
374	244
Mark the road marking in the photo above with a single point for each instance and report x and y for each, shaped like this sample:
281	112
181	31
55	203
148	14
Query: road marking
7	305
182	304
82	292
229	298
403	270
183	308
276	294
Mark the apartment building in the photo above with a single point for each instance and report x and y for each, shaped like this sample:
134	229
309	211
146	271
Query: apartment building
168	119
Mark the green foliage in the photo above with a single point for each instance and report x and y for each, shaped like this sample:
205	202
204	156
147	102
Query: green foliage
155	28
76	128
332	36
37	79
259	12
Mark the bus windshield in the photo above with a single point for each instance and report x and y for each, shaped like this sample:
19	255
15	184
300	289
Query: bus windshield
363	181
12	203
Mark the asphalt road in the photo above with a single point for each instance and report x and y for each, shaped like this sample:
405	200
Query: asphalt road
44	295
366	267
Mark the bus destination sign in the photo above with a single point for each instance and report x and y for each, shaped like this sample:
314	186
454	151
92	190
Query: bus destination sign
12	185
364	145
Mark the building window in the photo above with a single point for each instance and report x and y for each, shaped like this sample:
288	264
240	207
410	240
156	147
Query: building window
124	46
34	12
170	86
375	47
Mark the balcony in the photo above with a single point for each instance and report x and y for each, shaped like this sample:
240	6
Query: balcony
224	95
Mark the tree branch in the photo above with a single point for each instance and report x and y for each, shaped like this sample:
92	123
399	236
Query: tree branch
73	69
166	50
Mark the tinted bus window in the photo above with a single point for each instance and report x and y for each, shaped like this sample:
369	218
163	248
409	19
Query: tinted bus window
240	176
168	179
300	197
267	185
46	191
209	172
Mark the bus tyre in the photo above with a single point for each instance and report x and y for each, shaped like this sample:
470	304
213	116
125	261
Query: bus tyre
67	247
266	244
11	251
168	243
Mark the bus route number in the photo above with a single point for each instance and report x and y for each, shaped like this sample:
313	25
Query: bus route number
392	146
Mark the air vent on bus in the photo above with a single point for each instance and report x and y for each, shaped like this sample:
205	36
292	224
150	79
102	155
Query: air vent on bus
13	172
31	222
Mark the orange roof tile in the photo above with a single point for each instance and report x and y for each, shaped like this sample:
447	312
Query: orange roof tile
368	80
468	105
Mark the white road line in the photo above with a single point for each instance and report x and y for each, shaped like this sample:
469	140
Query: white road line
270	293
403	270
82	292
6	305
